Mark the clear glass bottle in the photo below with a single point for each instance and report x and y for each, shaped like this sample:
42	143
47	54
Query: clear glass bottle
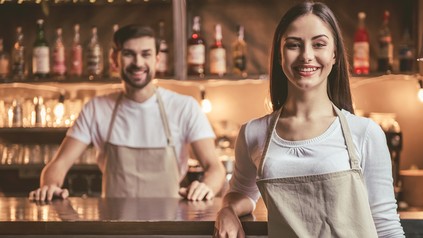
239	54
18	56
94	56
196	51
4	63
113	70
58	56
75	66
218	53
361	55
385	57
406	53
162	67
40	53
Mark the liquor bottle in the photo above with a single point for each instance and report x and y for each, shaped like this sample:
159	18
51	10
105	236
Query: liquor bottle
4	62
406	53
40	53
18	56
239	54
361	47
162	66
75	68
196	51
58	56
112	69
385	54
94	56
218	53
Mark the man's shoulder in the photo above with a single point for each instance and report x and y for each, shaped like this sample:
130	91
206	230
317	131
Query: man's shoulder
170	96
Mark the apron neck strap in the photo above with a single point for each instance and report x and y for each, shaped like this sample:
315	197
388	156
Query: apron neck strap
164	118
112	122
272	125
354	161
165	122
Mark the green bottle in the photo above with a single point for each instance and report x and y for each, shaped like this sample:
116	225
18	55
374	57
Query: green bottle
40	53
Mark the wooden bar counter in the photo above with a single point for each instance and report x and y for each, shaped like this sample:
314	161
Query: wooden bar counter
134	217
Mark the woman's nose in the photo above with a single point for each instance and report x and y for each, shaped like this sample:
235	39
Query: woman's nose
307	54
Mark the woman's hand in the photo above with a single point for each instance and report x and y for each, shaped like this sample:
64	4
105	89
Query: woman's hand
228	225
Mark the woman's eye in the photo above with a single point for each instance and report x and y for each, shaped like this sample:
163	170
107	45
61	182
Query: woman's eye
292	45
319	45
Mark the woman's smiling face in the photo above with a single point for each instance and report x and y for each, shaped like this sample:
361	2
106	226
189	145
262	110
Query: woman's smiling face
308	53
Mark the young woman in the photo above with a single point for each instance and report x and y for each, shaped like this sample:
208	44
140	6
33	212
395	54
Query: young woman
321	170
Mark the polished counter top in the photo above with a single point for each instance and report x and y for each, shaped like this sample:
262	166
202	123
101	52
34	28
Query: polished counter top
118	216
135	216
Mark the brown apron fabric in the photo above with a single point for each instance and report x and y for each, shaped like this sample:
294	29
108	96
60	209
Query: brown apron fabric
140	172
324	205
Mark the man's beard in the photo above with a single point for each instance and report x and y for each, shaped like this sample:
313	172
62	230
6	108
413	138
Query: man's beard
127	79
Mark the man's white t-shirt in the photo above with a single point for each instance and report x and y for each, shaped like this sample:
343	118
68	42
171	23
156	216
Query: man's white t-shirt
139	125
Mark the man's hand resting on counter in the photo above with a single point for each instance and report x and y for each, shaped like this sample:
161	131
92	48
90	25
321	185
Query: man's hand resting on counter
47	193
197	191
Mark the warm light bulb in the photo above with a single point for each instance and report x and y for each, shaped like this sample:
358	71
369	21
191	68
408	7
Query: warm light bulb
206	105
420	94
59	112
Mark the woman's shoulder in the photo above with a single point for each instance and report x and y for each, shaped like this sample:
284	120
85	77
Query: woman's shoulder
361	125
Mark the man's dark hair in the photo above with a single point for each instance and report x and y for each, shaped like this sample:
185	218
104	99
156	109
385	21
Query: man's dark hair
132	31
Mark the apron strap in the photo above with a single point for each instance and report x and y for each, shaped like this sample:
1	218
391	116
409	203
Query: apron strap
167	127
272	125
112	122
354	161
164	119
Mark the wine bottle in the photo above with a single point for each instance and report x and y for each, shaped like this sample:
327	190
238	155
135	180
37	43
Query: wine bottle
18	56
40	53
361	56
4	62
239	54
386	48
75	68
113	70
196	51
218	53
58	56
162	67
94	59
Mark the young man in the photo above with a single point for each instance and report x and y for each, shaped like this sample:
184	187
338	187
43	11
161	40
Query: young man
142	134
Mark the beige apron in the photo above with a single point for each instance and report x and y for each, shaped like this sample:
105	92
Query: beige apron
325	205
140	172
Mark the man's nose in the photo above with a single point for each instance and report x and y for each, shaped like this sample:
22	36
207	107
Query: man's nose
139	60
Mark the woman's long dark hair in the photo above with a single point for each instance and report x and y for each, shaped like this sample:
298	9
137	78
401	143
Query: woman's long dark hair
338	80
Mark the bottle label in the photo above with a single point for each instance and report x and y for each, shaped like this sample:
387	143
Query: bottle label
59	66
196	54
76	60
18	66
386	51
94	63
4	66
361	55
162	62
218	61
41	60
